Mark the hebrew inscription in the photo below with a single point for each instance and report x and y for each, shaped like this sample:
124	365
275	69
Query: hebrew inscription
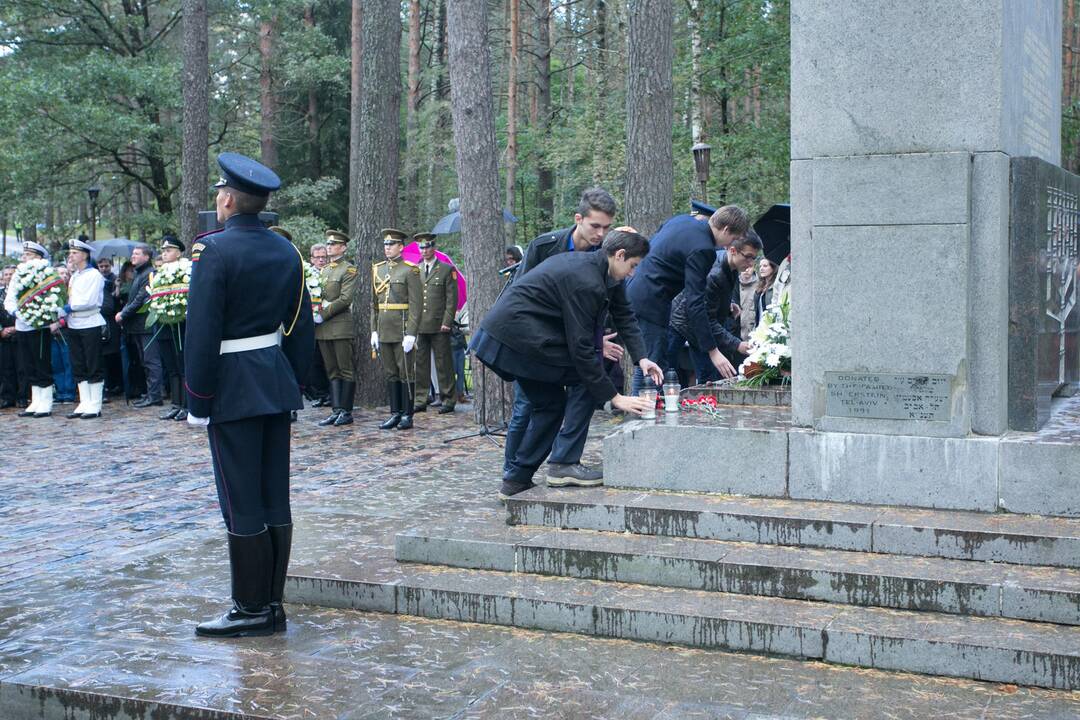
888	396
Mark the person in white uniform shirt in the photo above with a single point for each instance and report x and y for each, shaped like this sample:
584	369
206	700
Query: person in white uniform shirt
84	321
34	346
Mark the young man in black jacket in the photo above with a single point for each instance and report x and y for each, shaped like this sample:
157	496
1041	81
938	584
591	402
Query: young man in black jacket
595	213
546	332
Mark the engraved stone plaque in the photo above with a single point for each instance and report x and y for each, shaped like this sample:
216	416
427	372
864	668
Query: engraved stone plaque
888	396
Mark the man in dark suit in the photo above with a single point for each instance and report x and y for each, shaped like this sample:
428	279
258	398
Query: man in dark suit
250	338
134	322
545	333
595	213
683	252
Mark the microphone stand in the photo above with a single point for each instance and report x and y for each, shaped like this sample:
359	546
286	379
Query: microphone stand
490	431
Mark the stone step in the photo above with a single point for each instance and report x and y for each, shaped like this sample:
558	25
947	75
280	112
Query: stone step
958	587
994	649
964	535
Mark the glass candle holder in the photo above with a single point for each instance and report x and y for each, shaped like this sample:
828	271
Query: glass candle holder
649	413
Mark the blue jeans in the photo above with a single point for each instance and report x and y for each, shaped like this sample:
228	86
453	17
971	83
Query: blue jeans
459	371
656	349
62	377
548	406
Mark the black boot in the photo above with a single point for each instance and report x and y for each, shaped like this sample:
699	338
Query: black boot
281	541
407	403
174	398
335	403
348	396
181	415
395	406
250	560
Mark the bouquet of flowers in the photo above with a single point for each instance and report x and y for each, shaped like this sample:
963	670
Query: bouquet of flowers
168	293
769	360
40	294
313	281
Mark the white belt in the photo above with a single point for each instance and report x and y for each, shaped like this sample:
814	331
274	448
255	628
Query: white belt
258	342
85	313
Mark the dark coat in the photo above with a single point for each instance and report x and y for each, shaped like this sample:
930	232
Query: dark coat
133	320
553	314
681	254
543	247
246	281
108	310
720	292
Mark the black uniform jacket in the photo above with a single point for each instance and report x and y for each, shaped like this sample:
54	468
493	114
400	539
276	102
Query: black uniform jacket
553	315
543	247
135	321
681	253
246	281
719	287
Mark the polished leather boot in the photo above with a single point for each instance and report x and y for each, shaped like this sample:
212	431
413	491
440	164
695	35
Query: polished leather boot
346	400
281	542
251	561
407	403
181	415
395	406
335	402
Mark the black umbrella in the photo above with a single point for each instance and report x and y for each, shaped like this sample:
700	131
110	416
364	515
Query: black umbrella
774	228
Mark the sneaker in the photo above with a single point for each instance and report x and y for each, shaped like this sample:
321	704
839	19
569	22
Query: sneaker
509	489
561	475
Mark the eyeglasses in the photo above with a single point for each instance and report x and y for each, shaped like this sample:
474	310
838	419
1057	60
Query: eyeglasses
749	256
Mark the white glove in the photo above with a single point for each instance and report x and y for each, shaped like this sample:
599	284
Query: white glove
197	421
318	319
408	343
374	341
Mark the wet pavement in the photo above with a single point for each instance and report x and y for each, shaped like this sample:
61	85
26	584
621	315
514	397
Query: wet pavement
112	547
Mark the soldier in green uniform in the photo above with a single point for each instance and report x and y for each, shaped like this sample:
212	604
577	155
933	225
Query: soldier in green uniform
334	328
439	281
397	299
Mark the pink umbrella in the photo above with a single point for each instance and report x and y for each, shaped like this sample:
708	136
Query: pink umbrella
412	254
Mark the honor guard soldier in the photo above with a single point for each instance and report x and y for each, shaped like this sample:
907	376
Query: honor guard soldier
167	350
397	299
440	292
334	328
86	293
34	346
250	337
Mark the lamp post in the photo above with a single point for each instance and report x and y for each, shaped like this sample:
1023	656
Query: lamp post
93	191
701	167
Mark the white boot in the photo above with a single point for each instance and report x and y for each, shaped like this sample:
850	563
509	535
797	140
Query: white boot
97	391
44	408
84	400
35	400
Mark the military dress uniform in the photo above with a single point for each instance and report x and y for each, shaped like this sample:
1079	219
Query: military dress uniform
440	291
34	350
250	337
334	332
397	299
165	355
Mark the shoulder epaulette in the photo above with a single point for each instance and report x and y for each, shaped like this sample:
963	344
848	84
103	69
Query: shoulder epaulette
410	264
381	262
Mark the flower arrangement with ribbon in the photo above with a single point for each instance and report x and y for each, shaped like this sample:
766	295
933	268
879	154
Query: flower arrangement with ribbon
40	294
769	360
168	293
313	282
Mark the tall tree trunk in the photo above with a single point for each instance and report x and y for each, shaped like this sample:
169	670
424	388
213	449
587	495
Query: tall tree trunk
267	103
376	156
433	191
697	132
545	179
650	109
473	118
196	118
356	44
600	158
314	122
412	167
511	114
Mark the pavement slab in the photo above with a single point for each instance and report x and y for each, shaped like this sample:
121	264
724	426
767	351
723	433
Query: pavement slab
103	627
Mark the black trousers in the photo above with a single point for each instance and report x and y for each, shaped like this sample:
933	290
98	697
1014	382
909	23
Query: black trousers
35	356
136	348
251	468
317	385
9	375
548	401
84	347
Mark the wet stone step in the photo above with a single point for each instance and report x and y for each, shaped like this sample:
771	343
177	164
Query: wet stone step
959	587
991	649
997	537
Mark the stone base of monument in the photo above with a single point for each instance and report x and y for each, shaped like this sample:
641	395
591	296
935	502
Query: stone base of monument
755	451
761	557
